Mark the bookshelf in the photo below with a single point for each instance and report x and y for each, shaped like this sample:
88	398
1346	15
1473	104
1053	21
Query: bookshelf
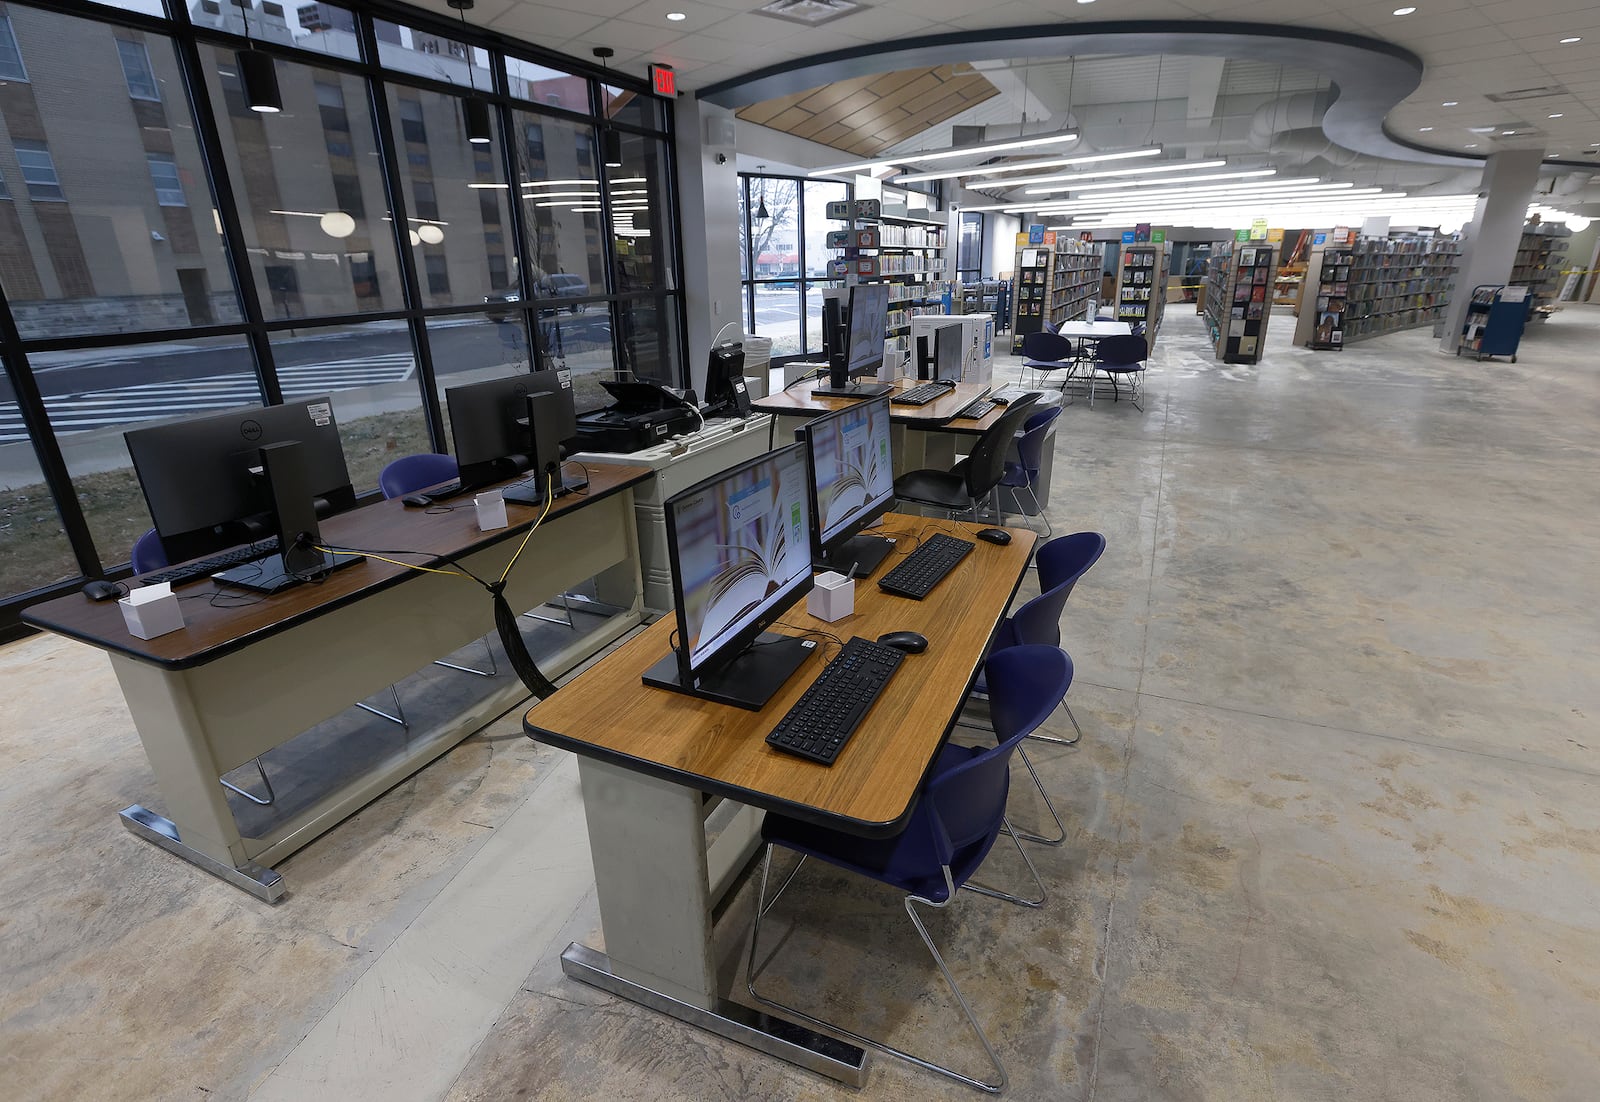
1376	285
1541	254
1055	279
1219	277
904	251
1248	297
1142	286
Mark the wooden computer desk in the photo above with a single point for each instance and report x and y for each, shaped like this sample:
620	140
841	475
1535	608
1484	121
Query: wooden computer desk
239	681
654	764
923	436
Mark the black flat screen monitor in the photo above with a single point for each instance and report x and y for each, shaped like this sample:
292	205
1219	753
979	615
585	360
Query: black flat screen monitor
865	333
488	427
725	389
203	479
852	485
739	546
949	352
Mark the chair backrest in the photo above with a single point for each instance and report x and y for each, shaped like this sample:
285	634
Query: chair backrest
1030	445
1122	351
1046	346
968	801
1062	562
987	462
1049	326
148	554
414	472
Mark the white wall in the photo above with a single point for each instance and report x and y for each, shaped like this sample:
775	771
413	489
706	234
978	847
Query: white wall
1000	243
709	207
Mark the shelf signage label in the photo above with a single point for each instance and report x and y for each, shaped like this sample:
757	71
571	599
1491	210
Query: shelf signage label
1158	236
1275	236
1048	237
1036	234
1241	235
1319	239
1258	229
1127	237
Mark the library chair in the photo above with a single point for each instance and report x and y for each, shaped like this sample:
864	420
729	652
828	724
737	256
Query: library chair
974	479
1121	357
1022	475
411	474
1037	622
958	816
1043	353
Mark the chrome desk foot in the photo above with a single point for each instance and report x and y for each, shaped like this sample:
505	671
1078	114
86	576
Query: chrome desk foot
263	883
764	1032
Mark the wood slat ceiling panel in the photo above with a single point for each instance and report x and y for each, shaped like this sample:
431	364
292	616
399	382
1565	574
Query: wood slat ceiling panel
867	115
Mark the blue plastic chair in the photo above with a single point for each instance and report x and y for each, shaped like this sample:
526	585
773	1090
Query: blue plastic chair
959	814
1022	474
1047	352
1037	622
1121	357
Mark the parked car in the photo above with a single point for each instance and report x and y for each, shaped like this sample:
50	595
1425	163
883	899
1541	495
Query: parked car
554	285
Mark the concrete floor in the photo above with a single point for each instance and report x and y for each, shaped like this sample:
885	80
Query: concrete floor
1332	831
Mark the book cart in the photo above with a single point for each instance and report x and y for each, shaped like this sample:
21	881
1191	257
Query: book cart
1494	320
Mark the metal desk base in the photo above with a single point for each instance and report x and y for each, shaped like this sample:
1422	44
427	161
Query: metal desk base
756	1029
261	882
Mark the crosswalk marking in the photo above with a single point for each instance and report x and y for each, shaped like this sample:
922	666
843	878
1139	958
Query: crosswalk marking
128	405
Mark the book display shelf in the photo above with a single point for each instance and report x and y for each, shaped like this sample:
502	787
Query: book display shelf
1248	301
1055	279
1376	285
1142	286
881	246
1214	300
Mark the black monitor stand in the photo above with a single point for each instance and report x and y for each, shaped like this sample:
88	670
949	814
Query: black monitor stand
749	681
857	556
852	390
531	492
294	512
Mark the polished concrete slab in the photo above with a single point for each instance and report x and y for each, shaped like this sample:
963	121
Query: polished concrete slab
1332	832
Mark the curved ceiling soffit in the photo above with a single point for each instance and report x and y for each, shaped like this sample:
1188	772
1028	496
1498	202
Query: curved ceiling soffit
1370	77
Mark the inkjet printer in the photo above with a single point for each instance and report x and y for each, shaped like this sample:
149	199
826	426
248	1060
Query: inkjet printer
644	413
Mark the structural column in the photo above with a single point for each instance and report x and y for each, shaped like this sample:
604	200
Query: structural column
708	179
1489	242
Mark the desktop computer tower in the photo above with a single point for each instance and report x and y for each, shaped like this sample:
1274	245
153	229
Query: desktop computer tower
979	330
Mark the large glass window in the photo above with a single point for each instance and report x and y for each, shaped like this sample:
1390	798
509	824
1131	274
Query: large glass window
637	191
969	249
33	543
772	234
558	183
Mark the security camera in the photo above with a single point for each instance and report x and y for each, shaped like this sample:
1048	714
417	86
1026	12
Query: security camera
722	158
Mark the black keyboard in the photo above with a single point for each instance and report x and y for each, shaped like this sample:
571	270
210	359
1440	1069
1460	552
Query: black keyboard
926	567
922	394
825	717
446	491
978	409
1008	395
204	568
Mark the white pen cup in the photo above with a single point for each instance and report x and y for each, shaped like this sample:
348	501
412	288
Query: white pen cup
491	510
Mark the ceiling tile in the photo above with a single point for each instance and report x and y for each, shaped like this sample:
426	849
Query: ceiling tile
608	9
543	25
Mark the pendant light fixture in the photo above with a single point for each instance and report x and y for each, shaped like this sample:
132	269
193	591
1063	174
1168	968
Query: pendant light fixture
762	214
257	74
474	111
610	140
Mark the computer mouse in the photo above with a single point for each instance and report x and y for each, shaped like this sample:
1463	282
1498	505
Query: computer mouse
417	501
101	590
908	641
995	535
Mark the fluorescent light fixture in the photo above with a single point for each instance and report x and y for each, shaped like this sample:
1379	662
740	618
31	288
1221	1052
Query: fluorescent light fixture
1248	174
1570	41
489	187
676	16
1557	115
1424	129
1026	166
1067	180
564	183
589	195
1449	103
1404	11
978	150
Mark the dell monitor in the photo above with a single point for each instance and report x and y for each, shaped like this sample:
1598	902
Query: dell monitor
504	427
852	485
739	548
863	346
949	353
209	487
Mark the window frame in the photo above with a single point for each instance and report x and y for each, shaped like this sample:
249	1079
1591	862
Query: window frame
124	45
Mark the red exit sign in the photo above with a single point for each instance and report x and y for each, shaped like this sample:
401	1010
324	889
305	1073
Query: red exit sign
664	80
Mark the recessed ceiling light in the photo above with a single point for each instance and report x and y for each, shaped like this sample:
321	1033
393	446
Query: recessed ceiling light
1508	131
1449	103
676	16
1570	41
1085	1
1425	129
1557	115
1404	11
1472	145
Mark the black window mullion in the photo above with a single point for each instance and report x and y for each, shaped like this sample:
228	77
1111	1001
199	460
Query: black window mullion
192	71
378	100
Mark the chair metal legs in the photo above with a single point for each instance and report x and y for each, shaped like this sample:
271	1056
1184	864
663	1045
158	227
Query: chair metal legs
493	669
1061	830
1073	741
994	1086
265	783
399	716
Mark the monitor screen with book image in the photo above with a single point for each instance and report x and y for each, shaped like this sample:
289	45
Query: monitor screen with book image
739	548
852	485
860	354
226	480
504	427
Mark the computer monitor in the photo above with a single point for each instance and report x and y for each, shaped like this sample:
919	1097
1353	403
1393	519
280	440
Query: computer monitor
863	349
725	389
550	419
852	485
204	478
739	548
949	353
488	427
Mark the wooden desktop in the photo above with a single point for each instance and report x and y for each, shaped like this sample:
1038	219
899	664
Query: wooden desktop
653	765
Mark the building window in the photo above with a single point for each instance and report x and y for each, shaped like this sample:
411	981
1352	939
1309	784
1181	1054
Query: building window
136	70
535	134
5	192
274	10
347	193
426	202
438	274
11	67
39	172
211	7
330	102
411	121
164	174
